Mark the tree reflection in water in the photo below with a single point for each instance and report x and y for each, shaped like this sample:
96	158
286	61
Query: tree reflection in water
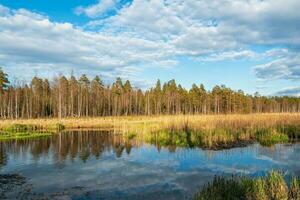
69	145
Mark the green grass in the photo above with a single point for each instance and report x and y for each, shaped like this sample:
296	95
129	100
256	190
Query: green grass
271	187
23	135
24	131
209	132
20	128
130	135
293	131
31	127
268	137
218	138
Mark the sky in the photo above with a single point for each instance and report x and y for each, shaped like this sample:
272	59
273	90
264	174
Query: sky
253	45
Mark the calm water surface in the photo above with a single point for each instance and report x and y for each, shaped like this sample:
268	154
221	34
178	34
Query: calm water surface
100	165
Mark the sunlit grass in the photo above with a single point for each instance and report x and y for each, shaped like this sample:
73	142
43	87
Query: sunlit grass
23	135
205	130
164	121
271	187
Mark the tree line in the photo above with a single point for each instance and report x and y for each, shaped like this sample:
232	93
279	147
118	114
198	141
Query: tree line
81	97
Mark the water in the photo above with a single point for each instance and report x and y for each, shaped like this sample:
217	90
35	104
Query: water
100	165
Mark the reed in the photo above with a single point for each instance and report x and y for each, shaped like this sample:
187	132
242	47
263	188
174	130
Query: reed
209	130
271	187
23	135
175	121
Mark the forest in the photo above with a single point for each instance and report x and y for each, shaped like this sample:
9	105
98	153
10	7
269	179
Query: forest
81	97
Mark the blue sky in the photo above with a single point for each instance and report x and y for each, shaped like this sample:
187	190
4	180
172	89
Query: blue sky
251	45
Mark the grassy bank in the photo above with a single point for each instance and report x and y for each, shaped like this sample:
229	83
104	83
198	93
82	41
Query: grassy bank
217	138
204	130
271	187
130	123
23	135
23	131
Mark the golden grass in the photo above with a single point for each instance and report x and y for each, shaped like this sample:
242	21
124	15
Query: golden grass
146	123
208	131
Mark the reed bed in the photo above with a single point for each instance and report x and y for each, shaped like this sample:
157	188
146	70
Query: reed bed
271	187
207	130
126	123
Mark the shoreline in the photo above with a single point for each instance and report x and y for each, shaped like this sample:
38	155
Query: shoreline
117	121
210	131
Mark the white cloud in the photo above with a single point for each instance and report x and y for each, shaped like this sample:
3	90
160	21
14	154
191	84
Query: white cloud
216	29
286	66
98	9
3	10
199	26
230	55
32	40
154	33
290	91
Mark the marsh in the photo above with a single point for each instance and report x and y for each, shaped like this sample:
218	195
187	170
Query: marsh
105	165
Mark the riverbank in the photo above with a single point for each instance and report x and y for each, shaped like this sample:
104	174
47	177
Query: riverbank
196	121
207	130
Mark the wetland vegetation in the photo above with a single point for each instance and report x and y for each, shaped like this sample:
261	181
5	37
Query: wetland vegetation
105	165
206	131
76	126
271	187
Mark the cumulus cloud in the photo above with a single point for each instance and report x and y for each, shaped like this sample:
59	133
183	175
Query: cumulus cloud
98	9
217	30
3	10
286	66
198	27
231	55
155	33
32	40
290	91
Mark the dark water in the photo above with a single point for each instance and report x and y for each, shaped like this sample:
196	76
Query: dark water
100	165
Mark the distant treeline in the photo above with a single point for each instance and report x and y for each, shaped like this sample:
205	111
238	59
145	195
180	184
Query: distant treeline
72	97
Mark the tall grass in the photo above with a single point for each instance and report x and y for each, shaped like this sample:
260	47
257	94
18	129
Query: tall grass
209	130
166	121
271	187
23	131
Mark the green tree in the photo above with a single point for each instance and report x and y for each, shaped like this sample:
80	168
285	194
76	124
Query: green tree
4	82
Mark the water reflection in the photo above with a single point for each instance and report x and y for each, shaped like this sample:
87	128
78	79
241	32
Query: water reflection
109	166
69	145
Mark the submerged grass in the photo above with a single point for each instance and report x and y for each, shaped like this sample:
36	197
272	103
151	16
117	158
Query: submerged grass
271	187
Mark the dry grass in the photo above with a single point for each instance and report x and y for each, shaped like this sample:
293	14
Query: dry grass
207	131
173	122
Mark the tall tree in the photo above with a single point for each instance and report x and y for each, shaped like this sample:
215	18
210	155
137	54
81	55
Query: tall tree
3	85
69	97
